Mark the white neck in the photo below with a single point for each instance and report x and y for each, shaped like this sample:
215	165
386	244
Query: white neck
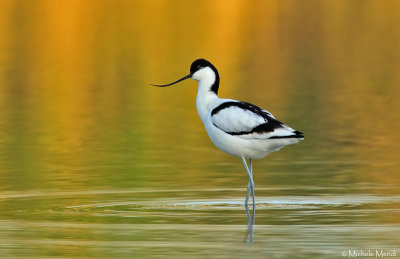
205	99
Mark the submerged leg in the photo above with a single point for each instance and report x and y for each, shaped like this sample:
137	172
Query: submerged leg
250	186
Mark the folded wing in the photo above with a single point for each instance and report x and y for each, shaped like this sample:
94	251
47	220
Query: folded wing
249	121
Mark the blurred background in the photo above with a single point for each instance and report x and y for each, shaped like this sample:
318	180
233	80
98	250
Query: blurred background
85	139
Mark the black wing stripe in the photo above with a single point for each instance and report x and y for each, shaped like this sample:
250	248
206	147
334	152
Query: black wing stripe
222	106
244	106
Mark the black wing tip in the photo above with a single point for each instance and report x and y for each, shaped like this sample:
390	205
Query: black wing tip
297	134
289	136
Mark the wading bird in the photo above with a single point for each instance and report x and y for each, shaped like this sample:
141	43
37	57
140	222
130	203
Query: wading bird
237	128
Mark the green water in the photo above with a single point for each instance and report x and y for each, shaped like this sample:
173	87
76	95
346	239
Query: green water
96	163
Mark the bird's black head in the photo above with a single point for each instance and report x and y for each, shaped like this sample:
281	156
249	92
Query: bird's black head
199	64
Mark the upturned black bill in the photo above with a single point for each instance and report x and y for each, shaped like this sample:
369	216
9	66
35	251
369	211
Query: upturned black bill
183	78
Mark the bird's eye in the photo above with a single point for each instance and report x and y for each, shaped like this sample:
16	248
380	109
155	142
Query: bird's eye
199	67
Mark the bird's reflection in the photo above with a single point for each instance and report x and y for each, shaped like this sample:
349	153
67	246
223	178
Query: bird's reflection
250	224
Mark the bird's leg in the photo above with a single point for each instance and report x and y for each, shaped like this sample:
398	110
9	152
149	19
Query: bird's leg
251	173
250	186
247	194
